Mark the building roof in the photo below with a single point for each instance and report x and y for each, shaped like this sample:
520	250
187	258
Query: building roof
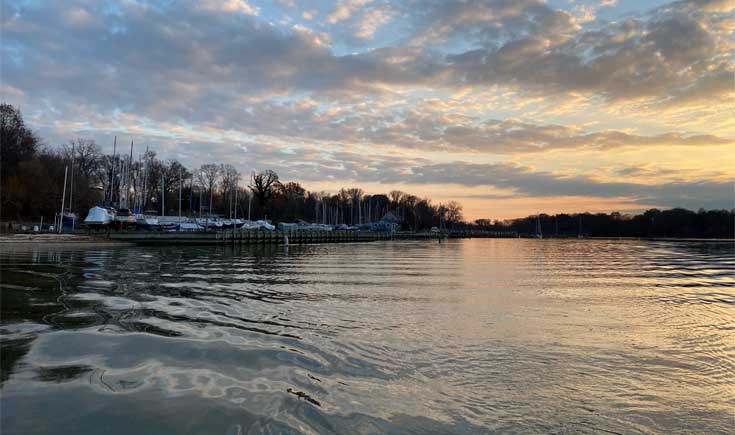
390	217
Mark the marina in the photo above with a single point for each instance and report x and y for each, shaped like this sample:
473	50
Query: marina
410	217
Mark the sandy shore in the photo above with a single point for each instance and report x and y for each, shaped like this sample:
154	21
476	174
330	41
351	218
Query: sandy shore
68	240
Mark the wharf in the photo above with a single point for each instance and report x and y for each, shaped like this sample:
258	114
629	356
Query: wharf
243	237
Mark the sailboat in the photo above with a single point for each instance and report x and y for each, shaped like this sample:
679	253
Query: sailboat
579	230
68	219
539	234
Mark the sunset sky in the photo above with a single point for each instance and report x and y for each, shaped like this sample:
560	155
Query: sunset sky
511	107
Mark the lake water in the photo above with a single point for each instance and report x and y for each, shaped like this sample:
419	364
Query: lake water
466	336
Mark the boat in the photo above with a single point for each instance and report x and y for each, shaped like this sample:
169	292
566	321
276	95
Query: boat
172	220
257	225
147	220
538	234
265	225
124	217
69	220
99	217
211	222
189	226
345	227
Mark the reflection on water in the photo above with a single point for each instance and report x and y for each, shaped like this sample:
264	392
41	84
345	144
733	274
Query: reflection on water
468	336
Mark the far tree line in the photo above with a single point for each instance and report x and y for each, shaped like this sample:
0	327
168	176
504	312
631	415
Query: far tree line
676	222
32	177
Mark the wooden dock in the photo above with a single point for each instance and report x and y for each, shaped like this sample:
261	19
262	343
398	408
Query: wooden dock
253	237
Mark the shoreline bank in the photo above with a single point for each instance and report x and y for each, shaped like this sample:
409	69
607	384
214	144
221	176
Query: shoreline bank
54	240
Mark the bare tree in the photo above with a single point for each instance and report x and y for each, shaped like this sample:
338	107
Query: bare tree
395	197
451	212
262	185
230	179
409	202
355	195
86	156
175	176
208	175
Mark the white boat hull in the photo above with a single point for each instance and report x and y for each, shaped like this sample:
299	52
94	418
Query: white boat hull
98	216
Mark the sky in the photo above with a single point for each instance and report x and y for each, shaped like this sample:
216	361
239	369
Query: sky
511	107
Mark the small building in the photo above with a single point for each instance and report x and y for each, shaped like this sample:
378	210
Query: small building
389	223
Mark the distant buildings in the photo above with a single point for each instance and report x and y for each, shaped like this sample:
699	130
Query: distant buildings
388	223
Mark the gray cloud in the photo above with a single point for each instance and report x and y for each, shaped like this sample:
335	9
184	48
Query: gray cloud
194	63
527	182
178	60
528	45
419	130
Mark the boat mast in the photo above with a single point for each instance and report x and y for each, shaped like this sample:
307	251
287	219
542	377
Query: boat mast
71	183
145	180
112	176
63	199
128	175
191	196
163	197
121	184
579	229
180	181
538	227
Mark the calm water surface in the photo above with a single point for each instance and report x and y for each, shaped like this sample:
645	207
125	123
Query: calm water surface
467	336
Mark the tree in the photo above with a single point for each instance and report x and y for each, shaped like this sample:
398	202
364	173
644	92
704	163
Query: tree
86	156
175	176
207	176
262	185
17	142
230	179
395	197
483	223
293	200
355	195
453	212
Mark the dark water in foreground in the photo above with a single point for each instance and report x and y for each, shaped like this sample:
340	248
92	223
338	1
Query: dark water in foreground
473	336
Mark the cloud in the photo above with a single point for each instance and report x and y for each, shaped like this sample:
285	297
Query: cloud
171	63
206	51
529	46
525	181
371	21
431	131
345	9
232	6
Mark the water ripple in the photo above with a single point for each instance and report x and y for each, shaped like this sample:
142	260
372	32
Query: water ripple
474	336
